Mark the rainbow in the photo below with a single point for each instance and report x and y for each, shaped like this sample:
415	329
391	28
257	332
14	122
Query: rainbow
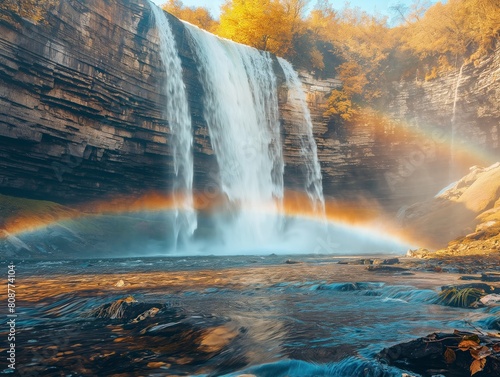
363	215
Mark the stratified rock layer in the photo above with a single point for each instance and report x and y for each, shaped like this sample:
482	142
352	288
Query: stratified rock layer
407	158
81	115
80	103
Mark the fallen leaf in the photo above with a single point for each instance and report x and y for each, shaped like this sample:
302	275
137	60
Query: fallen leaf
464	345
496	347
477	366
156	365
480	353
449	356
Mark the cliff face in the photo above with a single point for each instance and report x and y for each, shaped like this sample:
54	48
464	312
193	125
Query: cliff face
81	103
408	158
467	99
81	114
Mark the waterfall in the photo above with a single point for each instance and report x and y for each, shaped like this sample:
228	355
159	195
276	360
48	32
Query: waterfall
453	124
241	111
177	112
309	150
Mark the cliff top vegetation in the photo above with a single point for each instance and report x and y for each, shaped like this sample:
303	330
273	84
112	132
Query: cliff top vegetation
363	50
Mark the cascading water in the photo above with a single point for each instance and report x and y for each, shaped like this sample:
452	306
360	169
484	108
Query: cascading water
177	113
453	124
309	150
241	110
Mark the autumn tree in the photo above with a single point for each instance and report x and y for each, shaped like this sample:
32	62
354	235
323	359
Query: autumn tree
364	44
269	25
199	16
450	34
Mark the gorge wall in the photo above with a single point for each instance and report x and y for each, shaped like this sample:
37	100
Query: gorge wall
407	158
80	107
81	114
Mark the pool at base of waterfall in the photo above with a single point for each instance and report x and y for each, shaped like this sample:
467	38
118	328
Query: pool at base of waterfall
273	315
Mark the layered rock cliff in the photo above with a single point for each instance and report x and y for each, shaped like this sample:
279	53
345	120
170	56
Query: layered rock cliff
81	103
81	114
408	158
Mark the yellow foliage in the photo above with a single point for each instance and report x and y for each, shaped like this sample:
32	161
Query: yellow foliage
458	29
199	16
257	23
339	105
316	58
353	78
269	25
322	20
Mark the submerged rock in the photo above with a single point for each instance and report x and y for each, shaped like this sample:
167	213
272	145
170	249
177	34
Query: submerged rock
127	309
215	339
490	276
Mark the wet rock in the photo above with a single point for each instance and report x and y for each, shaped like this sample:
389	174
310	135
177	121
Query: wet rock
150	313
389	261
383	268
214	340
343	287
361	261
291	261
490	276
418	253
439	353
487	288
491	300
157	364
468	277
127	309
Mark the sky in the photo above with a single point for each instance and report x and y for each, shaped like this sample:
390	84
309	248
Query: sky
379	7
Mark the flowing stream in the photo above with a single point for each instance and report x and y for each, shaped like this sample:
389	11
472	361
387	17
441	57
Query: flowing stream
318	318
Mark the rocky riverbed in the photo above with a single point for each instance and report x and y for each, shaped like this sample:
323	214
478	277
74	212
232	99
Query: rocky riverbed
248	315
